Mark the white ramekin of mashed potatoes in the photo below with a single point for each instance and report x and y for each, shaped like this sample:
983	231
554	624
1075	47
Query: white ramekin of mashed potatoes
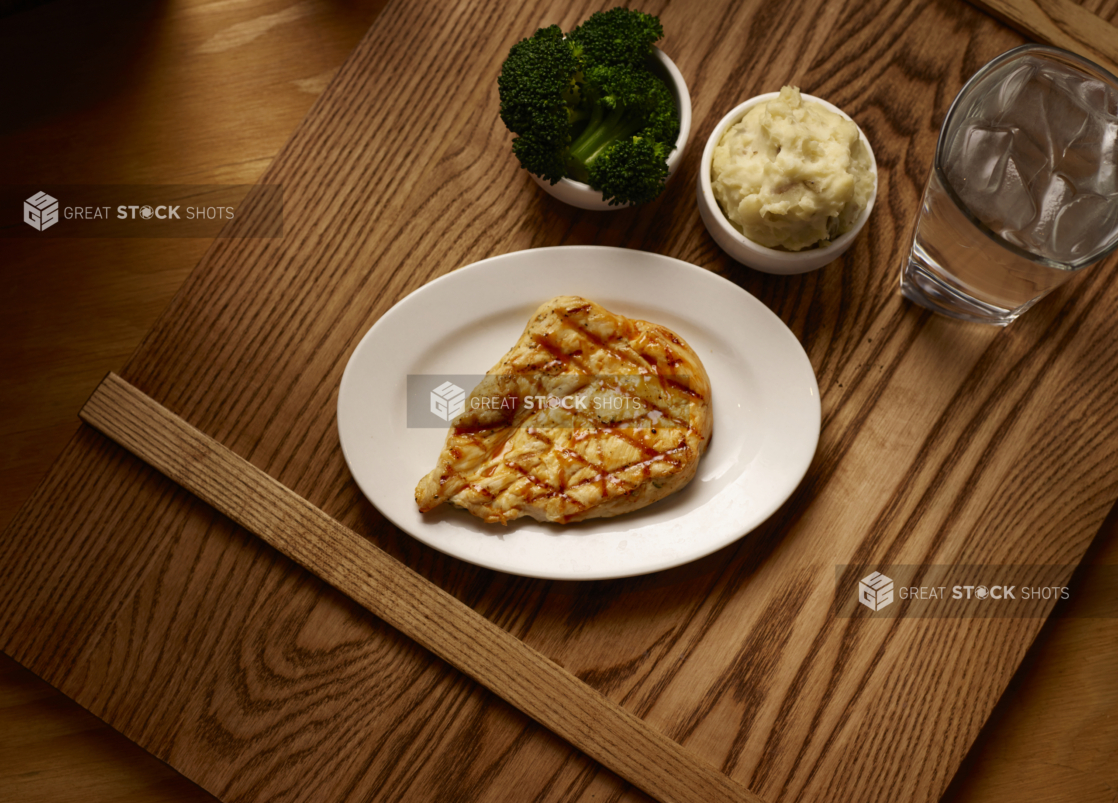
786	182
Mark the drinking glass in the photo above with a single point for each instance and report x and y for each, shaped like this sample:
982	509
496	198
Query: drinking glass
1023	192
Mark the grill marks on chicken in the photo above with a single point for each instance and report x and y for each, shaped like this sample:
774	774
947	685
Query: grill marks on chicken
590	414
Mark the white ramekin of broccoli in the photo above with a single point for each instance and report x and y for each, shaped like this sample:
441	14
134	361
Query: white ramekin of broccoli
600	115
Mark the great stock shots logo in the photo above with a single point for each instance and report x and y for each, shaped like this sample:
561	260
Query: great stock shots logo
962	591
448	401
875	591
142	210
525	400
40	211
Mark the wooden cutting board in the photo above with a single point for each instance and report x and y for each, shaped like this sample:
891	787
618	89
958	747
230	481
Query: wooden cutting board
941	443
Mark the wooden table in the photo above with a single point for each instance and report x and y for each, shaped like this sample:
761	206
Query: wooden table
222	742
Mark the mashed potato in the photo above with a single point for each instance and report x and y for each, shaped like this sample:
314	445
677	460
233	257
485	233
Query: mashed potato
792	174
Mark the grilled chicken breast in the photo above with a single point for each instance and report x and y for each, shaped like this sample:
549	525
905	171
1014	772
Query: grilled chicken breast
590	414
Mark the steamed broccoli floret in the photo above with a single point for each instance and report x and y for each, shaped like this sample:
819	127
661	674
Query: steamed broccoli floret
539	88
623	101
571	100
634	170
618	36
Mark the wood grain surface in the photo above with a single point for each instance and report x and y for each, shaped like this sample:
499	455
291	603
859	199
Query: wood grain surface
1062	23
132	93
122	92
688	650
392	592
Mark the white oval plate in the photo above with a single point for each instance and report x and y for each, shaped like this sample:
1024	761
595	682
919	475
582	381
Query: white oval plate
765	397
